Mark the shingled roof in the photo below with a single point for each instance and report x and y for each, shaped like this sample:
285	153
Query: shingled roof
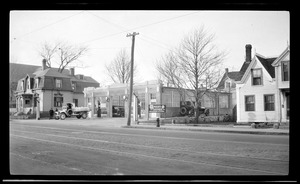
19	71
267	63
232	75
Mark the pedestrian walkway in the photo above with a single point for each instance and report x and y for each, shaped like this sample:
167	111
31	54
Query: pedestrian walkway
238	129
208	127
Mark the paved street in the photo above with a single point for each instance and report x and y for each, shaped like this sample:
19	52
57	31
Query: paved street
92	147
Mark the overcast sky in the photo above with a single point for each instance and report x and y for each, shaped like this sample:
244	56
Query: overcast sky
104	33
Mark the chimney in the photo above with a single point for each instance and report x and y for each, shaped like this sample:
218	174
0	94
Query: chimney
248	53
226	71
44	66
72	71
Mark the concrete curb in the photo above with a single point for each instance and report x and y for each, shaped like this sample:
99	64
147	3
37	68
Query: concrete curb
210	130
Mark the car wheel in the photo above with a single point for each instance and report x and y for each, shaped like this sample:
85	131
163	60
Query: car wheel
78	117
63	116
84	116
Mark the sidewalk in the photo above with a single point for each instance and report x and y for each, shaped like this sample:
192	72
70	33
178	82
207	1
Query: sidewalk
244	129
207	127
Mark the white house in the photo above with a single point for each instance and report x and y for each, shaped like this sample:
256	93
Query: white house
262	89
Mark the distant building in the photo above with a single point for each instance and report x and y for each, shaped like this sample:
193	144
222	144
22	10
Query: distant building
152	92
53	88
228	84
263	89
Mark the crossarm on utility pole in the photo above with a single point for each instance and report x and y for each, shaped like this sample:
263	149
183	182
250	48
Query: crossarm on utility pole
131	77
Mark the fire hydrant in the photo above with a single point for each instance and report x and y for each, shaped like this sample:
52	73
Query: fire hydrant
157	121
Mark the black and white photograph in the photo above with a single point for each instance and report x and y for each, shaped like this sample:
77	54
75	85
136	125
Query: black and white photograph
121	93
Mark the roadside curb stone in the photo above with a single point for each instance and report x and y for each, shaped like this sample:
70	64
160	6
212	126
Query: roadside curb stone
209	130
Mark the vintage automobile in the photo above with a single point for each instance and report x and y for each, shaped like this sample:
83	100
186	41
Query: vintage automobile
187	108
69	110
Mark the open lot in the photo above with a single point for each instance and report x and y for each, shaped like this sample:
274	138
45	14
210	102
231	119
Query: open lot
102	147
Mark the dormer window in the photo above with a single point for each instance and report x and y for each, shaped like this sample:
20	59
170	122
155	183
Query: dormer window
58	83
36	83
257	76
28	83
22	85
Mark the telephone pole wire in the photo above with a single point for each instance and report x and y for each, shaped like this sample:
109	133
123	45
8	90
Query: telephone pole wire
131	77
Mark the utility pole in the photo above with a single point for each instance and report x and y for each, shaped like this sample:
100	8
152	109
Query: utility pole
131	77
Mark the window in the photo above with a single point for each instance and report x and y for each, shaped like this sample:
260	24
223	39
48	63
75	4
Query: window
257	76
223	101
58	83
285	71
58	101
74	86
22	85
249	103
75	101
208	101
227	85
28	83
36	83
27	102
152	96
269	102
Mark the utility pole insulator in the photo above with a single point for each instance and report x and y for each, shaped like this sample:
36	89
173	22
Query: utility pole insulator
131	76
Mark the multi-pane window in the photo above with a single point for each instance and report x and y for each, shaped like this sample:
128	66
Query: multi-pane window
58	83
285	71
249	103
269	102
58	101
152	96
257	76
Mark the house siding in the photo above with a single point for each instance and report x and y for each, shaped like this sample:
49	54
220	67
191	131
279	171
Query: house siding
245	89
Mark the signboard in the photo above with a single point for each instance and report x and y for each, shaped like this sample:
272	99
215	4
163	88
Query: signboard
157	108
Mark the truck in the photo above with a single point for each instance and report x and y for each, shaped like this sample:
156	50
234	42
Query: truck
69	110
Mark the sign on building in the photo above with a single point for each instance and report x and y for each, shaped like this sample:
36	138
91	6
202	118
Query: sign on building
157	108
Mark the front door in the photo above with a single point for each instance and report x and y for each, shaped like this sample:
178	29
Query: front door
287	95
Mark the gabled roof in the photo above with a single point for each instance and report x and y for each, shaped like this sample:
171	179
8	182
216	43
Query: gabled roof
282	55
231	75
267	63
242	71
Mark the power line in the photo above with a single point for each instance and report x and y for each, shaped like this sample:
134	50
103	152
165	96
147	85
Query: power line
139	27
38	29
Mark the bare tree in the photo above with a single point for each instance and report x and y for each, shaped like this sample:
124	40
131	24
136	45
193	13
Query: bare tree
197	62
48	51
68	53
62	53
168	68
119	69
